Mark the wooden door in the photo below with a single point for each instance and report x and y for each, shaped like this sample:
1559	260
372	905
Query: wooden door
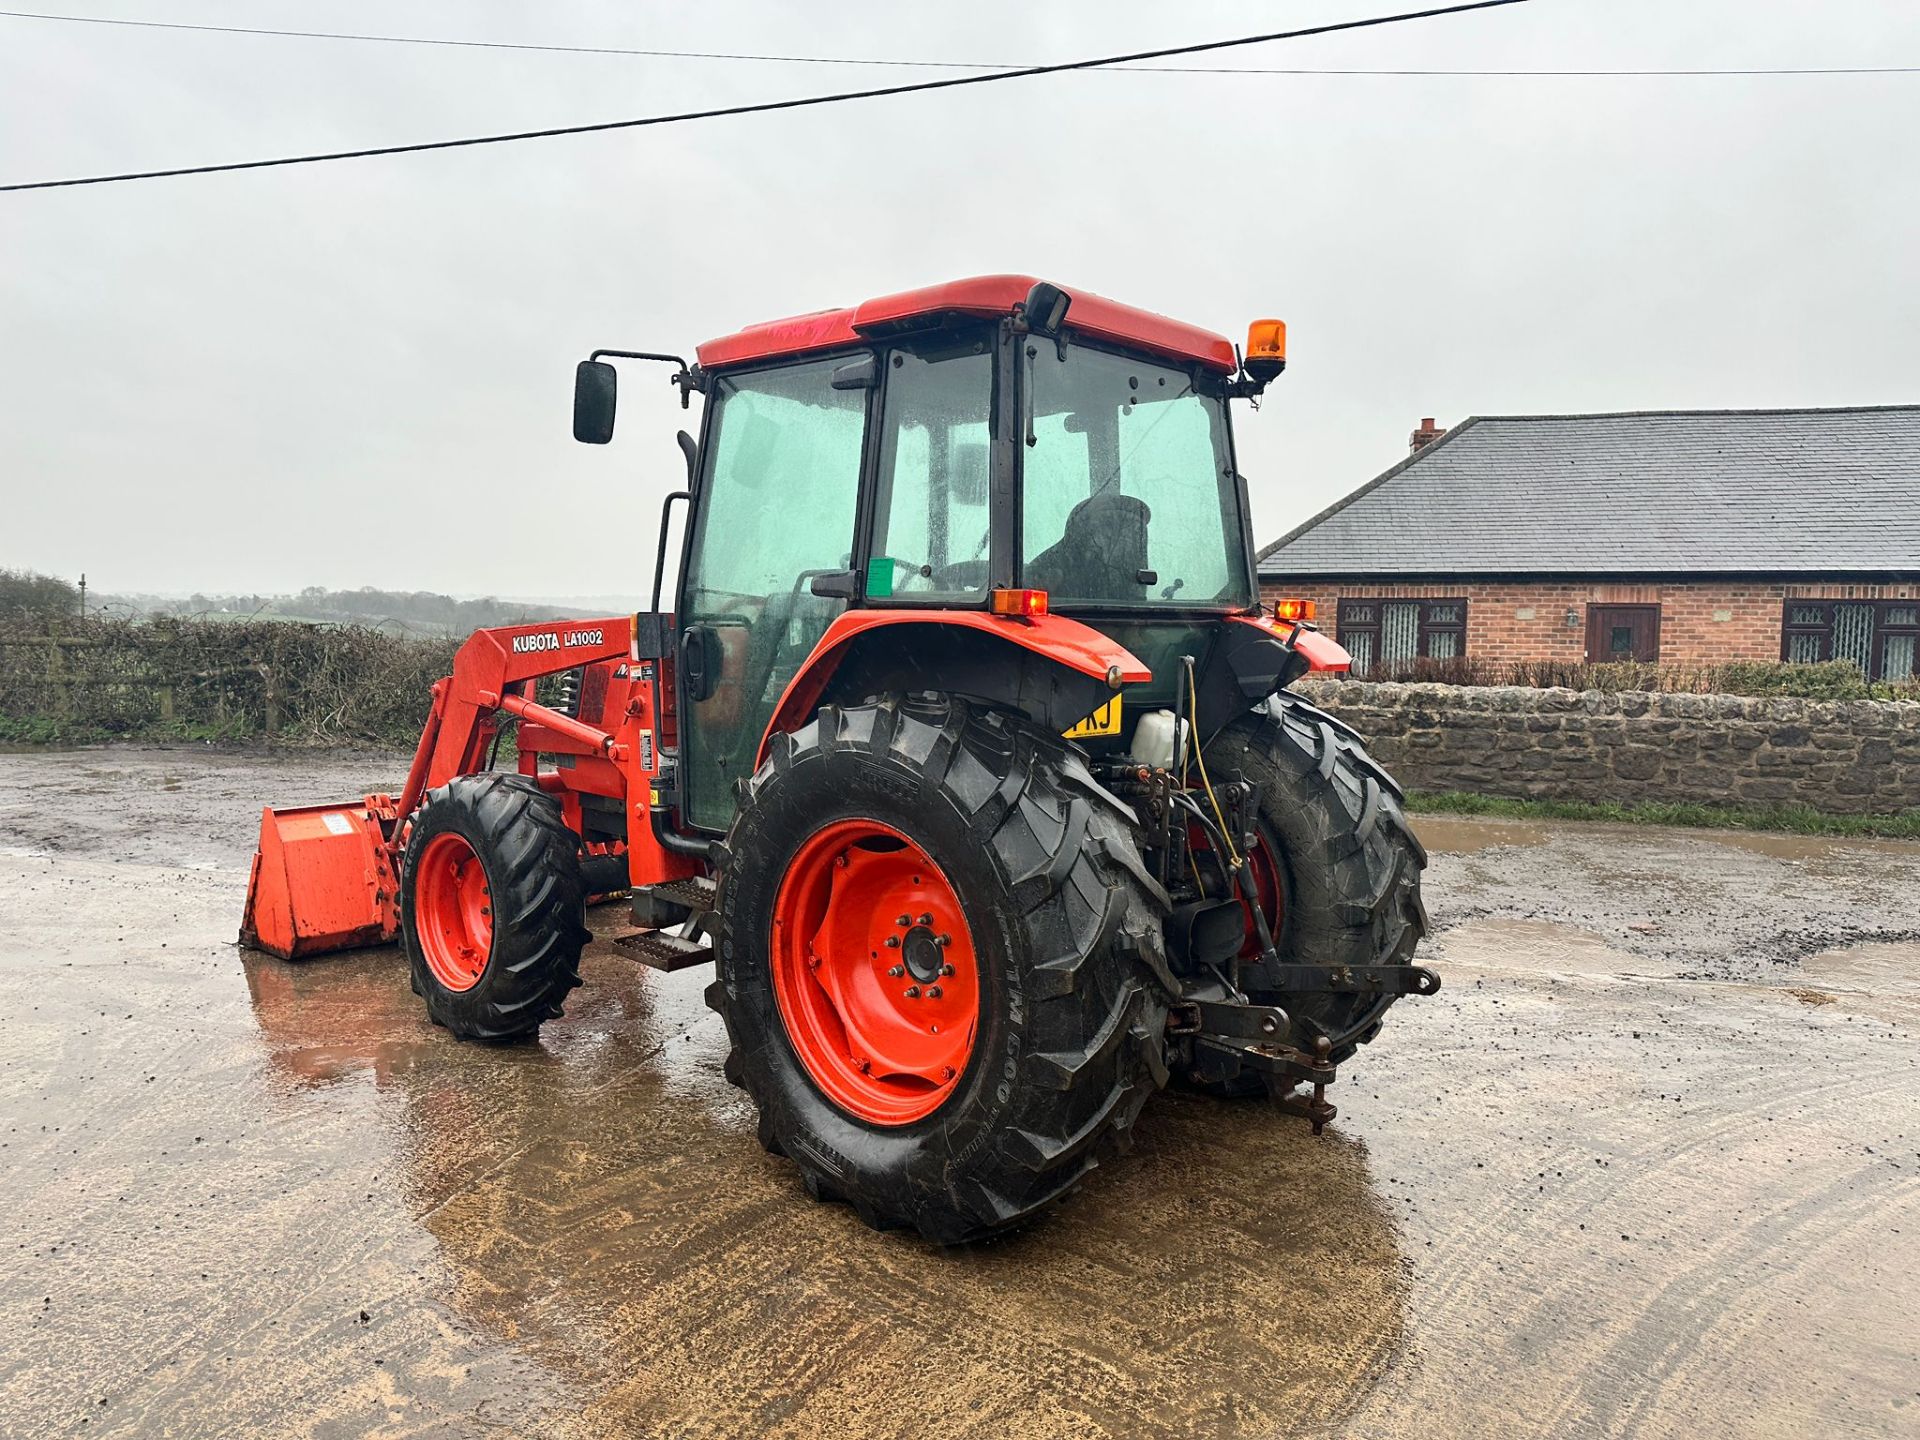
1623	632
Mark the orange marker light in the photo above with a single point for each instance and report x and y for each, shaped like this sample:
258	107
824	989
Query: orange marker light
1018	602
1267	340
1293	609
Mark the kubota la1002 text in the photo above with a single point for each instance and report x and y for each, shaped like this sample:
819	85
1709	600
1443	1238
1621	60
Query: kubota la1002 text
965	754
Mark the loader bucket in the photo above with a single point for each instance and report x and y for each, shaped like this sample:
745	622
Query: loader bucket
322	880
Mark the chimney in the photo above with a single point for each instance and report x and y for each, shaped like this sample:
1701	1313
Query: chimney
1424	436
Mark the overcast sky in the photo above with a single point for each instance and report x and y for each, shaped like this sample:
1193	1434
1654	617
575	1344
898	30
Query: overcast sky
359	373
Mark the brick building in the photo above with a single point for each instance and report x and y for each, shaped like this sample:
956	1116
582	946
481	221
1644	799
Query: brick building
1689	537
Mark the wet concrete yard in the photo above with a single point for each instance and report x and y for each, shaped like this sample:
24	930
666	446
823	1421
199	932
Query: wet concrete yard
1649	1165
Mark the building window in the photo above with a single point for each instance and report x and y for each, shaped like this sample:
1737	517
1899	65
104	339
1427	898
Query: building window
1877	635
1390	634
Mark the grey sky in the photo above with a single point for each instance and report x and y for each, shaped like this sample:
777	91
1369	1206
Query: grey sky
359	373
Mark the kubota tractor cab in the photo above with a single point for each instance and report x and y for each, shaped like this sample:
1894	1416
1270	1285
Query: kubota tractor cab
964	753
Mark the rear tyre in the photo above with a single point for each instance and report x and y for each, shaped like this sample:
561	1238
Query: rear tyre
1335	847
981	828
492	915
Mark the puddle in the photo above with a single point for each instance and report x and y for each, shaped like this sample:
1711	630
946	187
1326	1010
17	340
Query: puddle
1544	947
1887	969
1467	834
1804	847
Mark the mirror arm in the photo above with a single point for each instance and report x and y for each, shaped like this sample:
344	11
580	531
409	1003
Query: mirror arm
688	377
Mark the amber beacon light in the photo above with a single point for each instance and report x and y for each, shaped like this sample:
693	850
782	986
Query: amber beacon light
1266	353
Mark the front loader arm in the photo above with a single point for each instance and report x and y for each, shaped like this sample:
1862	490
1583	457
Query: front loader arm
487	673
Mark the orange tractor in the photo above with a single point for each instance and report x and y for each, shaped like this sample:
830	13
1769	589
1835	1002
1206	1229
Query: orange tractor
965	754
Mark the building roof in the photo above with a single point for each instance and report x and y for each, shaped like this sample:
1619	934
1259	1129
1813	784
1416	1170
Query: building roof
983	297
1645	492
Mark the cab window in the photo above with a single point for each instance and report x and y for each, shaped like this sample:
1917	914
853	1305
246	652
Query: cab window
777	508
930	513
1127	496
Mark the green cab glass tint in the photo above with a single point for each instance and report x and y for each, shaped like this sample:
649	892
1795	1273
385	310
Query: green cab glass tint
930	514
1128	496
777	508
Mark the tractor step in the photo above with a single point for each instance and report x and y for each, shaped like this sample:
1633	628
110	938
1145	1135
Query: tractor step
662	950
656	907
695	893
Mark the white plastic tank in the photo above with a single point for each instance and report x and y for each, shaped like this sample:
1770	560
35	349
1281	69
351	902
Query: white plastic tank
1153	740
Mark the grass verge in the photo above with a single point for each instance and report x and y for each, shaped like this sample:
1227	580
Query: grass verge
1793	819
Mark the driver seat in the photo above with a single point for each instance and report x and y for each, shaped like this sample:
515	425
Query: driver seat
1100	554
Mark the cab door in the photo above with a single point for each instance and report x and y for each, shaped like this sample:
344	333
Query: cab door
779	492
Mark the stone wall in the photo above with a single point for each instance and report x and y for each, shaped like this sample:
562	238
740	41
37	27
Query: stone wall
1846	756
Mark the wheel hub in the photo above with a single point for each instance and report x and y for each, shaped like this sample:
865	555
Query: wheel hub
921	951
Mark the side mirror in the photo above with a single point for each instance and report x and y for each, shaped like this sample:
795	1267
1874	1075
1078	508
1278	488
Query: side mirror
596	388
1047	308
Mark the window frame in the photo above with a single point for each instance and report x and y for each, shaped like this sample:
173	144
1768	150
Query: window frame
1823	631
1424	628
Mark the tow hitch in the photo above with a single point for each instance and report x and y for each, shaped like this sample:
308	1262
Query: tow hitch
1231	1037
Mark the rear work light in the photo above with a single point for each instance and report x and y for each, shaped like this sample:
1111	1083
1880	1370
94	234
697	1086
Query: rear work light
1301	610
1018	602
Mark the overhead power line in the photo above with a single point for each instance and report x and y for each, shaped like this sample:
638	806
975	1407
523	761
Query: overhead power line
896	63
766	106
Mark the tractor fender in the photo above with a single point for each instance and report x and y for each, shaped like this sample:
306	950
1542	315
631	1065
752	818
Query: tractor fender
1052	668
1323	654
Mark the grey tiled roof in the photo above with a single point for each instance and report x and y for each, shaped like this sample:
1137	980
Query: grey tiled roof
1668	491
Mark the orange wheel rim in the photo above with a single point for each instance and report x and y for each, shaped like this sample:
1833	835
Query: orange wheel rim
453	912
874	972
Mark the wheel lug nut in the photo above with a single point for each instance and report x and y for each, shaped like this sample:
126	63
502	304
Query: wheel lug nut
904	920
926	919
933	992
896	972
893	942
913	992
946	970
943	941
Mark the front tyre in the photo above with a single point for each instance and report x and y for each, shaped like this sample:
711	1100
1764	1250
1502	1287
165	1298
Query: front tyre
935	960
492	909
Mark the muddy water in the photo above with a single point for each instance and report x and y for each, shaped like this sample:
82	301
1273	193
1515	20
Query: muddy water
1619	1178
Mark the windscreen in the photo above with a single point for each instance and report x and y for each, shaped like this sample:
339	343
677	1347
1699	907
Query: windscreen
1127	493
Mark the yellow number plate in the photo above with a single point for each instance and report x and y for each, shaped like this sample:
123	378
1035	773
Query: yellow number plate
1104	721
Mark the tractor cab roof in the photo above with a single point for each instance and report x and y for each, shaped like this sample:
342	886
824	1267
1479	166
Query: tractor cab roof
982	297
